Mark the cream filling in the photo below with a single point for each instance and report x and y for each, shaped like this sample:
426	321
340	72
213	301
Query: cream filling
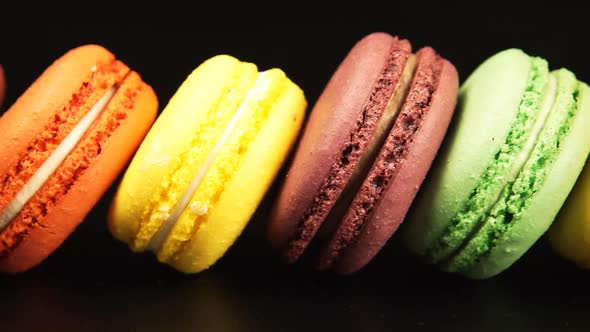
527	148
54	160
260	86
529	145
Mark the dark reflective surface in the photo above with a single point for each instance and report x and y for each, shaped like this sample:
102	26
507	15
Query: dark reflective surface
93	283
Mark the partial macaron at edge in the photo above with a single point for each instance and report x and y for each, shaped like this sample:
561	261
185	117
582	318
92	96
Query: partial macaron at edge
569	234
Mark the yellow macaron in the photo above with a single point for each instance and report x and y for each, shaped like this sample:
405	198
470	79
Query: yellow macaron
205	165
569	235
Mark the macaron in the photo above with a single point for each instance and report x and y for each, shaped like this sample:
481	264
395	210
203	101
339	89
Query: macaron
207	162
369	142
513	153
569	235
65	140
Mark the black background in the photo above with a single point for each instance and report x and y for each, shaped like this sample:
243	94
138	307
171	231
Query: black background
93	282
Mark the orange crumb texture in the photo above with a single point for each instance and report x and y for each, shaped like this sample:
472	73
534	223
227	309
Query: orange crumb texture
87	172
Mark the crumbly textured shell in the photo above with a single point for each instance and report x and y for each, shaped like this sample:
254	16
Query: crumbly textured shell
65	213
389	212
330	126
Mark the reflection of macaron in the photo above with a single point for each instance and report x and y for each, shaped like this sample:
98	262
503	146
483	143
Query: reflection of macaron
569	235
65	140
2	86
207	162
513	153
369	142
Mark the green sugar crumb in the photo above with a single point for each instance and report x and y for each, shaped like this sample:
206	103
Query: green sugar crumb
493	179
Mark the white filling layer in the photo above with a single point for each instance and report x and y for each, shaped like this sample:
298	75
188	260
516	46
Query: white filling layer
54	160
260	86
527	149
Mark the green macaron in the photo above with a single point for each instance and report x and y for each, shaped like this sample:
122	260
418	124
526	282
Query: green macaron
519	139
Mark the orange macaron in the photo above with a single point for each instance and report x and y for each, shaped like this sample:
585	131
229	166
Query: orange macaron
64	142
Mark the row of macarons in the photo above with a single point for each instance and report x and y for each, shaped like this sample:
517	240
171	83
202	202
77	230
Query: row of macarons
468	174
